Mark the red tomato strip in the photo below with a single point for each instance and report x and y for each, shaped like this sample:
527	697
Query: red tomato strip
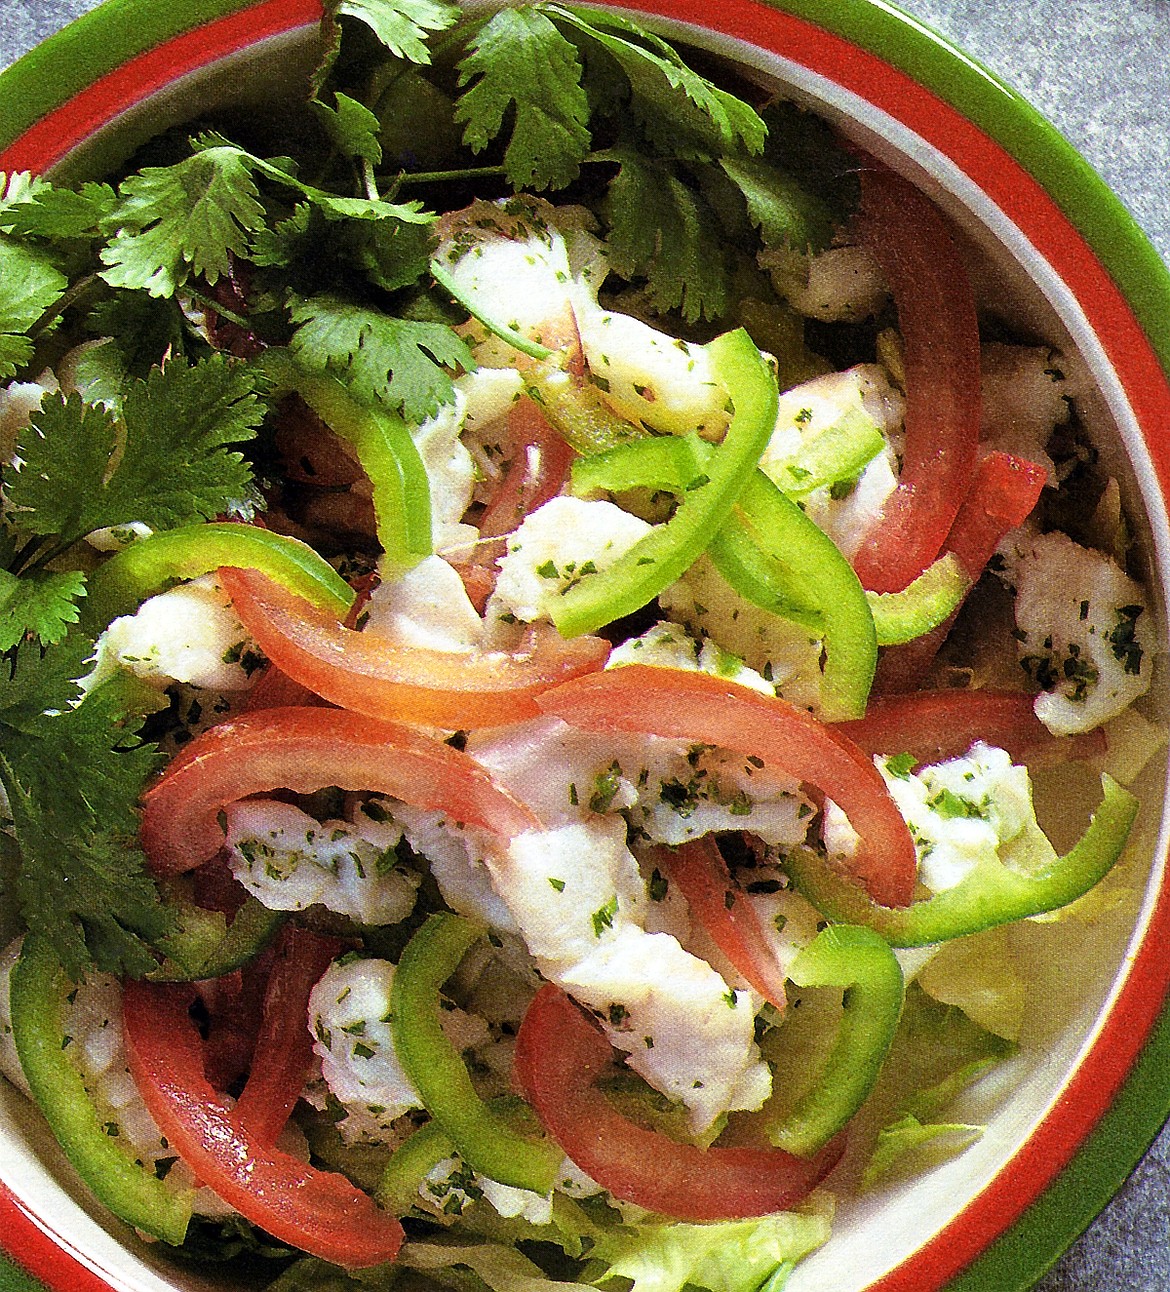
1002	495
373	675
709	710
304	750
560	1054
537	470
924	271
725	912
937	725
319	1212
283	1056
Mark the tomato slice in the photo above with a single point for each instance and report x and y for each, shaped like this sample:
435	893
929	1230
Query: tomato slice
700	872
283	1057
319	1212
373	675
1002	495
560	1053
924	271
704	709
540	462
304	750
937	725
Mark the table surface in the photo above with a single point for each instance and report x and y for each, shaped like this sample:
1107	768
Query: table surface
1098	69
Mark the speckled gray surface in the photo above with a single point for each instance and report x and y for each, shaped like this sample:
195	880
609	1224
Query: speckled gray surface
1100	71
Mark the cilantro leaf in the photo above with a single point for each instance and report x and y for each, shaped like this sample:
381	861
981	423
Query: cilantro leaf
681	112
786	212
352	127
172	221
41	604
42	210
519	59
29	285
73	774
166	464
661	229
401	25
402	363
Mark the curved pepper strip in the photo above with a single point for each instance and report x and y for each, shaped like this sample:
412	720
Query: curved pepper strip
560	1055
668	550
414	1159
839	453
385	449
204	944
991	894
483	1139
766	548
818	573
147	566
126	1187
859	960
320	1212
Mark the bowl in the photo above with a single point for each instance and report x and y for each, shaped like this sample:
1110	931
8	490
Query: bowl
1088	1090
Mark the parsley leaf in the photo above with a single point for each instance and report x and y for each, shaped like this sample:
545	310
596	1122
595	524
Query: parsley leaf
29	285
352	127
661	229
401	25
165	463
42	604
681	112
786	212
82	883
520	59
402	363
191	217
41	210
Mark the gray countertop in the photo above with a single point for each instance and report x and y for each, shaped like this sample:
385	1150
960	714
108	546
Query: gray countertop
1100	71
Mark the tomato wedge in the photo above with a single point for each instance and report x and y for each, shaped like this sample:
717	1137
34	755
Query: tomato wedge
700	872
1002	495
304	750
560	1053
373	675
283	1056
319	1212
704	709
937	725
540	462
924	271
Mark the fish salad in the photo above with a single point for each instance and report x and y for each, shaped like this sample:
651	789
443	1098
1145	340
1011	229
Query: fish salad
537	605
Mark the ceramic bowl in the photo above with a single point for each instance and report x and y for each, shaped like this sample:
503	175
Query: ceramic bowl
1089	1086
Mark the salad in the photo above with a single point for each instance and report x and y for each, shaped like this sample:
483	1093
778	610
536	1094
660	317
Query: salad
545	621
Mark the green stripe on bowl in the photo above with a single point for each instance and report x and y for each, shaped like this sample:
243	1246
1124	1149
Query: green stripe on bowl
91	47
929	58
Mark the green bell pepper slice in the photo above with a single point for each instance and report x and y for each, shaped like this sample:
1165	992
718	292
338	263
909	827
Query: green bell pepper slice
133	1193
385	449
414	1159
485	1141
149	565
818	574
662	555
838	454
991	894
860	961
204	945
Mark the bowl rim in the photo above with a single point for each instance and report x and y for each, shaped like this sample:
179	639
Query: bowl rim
119	53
